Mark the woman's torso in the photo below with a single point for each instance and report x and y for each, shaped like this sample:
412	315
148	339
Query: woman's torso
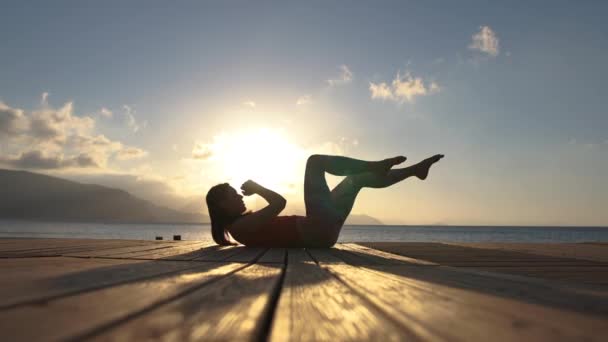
281	231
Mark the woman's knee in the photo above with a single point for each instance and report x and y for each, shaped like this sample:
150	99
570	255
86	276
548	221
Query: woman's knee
315	160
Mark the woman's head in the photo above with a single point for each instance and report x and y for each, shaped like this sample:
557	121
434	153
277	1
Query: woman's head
225	205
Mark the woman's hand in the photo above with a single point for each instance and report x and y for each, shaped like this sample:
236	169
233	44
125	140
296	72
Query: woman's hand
250	187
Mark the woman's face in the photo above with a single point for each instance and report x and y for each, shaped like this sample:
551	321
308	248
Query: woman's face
232	202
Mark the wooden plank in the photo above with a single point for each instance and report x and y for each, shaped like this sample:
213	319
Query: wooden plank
360	255
178	252
216	253
246	254
33	244
234	308
274	255
60	248
36	280
580	271
315	306
167	249
437	311
585	251
123	252
577	297
75	316
448	254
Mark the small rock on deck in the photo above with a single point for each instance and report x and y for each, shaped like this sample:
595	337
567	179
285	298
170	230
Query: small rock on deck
79	289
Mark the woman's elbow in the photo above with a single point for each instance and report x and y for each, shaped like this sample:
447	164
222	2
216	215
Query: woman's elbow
282	203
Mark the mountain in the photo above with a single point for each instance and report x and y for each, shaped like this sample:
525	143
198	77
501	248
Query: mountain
27	195
362	220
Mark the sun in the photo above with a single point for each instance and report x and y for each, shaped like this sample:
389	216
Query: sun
264	155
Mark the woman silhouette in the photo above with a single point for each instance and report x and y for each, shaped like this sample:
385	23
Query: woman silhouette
326	210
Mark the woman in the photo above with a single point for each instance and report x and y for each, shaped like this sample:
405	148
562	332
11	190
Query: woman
326	210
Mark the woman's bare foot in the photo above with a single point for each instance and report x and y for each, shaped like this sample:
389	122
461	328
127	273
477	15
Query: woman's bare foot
422	168
386	164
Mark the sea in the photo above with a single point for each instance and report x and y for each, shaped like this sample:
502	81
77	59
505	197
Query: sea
353	233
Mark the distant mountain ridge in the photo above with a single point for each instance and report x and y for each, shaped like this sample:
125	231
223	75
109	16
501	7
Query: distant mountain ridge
362	219
28	195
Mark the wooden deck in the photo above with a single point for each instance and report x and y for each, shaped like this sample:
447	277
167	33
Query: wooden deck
61	289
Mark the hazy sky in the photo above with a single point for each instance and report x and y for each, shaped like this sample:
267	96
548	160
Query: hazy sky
165	99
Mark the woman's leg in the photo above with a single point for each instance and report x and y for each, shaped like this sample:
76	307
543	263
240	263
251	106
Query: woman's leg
345	193
323	220
317	196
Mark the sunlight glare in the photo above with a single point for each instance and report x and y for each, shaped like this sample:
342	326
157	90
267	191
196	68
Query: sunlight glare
265	156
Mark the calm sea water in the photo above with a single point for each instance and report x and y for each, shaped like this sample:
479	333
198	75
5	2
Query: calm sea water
349	233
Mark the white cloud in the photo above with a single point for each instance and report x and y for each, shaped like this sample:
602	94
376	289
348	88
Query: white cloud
249	104
434	87
36	159
105	112
131	153
403	88
303	100
485	41
12	121
202	151
130	120
44	98
346	76
56	138
380	91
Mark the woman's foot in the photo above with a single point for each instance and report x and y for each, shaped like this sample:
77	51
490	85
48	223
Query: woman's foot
386	164
422	168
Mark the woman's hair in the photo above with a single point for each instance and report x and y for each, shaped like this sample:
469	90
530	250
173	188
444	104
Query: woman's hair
219	219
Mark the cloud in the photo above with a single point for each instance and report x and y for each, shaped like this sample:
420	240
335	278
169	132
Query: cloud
12	121
130	120
434	87
131	153
346	76
380	91
403	88
485	41
202	151
44	100
303	100
250	104
106	113
36	159
52	138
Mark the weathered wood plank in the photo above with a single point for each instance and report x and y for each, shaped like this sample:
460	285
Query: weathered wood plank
73	316
38	279
124	252
586	251
274	255
179	252
246	254
502	261
13	245
167	249
449	254
58	248
233	308
436	311
571	296
315	306
360	255
216	253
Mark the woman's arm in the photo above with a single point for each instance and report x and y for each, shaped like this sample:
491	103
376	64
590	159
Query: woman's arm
276	204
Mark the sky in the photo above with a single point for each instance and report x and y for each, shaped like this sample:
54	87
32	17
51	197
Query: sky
165	99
